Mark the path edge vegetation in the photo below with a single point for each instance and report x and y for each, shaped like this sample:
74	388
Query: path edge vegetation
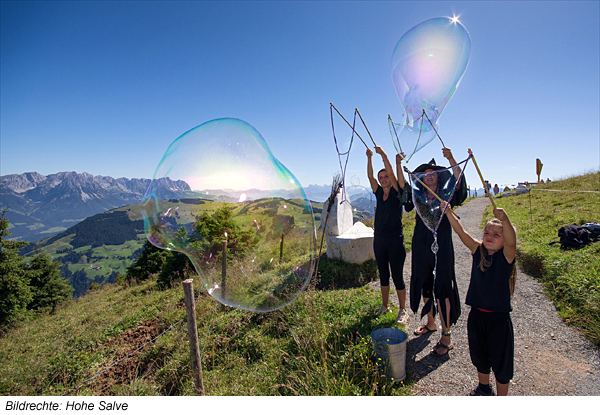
571	278
319	345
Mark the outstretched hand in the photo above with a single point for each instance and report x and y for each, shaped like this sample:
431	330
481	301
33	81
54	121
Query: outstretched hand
369	152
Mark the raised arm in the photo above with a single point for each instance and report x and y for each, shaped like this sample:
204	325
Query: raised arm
400	173
464	236
448	154
510	236
388	167
372	179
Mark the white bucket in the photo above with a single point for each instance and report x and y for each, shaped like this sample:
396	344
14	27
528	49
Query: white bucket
390	349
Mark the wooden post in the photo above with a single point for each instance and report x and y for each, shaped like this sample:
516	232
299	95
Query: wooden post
281	249
190	307
224	271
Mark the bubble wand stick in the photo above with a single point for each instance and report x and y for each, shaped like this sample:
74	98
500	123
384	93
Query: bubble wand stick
350	125
482	181
436	133
363	121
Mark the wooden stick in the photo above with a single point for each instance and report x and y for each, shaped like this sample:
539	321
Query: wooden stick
436	133
427	187
353	129
481	177
373	141
190	307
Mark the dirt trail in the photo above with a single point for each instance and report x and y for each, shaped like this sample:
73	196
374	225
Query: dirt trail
551	358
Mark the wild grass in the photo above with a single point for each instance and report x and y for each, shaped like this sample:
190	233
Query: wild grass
318	345
571	278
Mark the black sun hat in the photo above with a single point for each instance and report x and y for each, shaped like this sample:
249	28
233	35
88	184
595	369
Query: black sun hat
428	166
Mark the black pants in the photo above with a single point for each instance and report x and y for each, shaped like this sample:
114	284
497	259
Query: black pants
390	253
492	343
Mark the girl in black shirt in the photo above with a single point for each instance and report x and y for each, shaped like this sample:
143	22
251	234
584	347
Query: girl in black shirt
490	330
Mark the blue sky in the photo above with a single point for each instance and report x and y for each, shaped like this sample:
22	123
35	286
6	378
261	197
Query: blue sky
105	87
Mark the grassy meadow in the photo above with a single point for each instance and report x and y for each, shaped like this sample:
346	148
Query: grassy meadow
318	345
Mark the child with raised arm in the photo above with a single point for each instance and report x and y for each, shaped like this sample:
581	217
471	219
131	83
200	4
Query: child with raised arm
490	329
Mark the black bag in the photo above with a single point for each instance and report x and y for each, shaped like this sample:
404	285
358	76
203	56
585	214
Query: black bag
573	236
594	228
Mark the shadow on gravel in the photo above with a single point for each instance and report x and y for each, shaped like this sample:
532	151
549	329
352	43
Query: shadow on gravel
418	369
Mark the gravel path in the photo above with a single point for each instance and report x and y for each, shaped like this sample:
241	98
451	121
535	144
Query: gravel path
551	358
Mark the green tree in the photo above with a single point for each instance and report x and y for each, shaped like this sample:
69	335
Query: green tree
177	267
150	262
15	293
48	287
213	229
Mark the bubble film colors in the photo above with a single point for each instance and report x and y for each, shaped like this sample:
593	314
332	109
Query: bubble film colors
256	252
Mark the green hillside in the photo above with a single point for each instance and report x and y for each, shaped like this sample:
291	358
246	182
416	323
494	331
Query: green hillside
319	345
101	247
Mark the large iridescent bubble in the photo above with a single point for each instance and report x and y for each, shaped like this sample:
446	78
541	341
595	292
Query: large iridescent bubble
427	65
244	220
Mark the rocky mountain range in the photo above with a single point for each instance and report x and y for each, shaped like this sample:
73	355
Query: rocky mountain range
40	206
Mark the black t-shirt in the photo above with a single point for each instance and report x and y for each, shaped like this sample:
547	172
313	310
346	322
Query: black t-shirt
490	290
388	213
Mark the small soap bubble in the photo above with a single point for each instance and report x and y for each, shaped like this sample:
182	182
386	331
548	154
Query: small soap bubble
244	220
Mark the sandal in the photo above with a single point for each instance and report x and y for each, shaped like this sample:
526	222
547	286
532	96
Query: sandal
443	346
423	330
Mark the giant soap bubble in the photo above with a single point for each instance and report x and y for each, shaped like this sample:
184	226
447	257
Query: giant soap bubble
427	65
245	221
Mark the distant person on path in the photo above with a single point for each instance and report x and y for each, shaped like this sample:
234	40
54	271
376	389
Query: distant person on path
442	287
388	241
496	189
489	326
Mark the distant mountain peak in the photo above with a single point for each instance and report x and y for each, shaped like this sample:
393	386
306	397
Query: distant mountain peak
40	206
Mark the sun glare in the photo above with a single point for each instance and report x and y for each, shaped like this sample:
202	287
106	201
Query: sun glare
454	19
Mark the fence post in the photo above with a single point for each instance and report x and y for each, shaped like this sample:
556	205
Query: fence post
224	272
190	307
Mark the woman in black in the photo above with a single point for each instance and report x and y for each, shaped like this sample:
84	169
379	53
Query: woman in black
439	289
388	242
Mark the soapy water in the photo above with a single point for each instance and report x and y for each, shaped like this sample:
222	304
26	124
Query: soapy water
245	222
428	189
428	64
442	182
